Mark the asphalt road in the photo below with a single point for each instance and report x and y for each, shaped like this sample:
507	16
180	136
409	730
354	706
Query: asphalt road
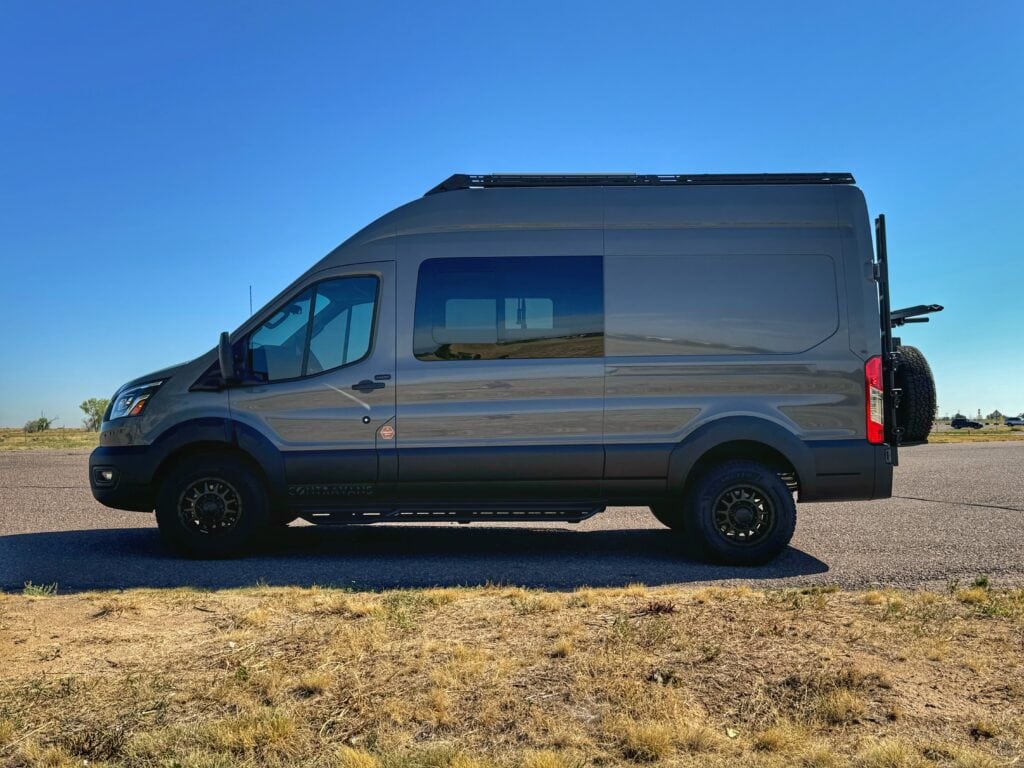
958	512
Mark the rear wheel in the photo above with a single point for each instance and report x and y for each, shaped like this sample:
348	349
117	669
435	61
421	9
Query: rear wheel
212	506
739	513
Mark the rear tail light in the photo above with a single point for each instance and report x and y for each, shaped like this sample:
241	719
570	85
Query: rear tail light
874	403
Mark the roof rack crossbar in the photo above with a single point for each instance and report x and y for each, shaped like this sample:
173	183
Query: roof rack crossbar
484	181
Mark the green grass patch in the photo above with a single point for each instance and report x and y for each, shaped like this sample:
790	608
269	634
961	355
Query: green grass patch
19	440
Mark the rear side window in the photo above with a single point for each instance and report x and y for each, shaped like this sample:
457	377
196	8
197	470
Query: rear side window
510	308
721	304
325	327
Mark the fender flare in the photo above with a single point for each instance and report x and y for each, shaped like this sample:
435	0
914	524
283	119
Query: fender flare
217	431
204	430
739	428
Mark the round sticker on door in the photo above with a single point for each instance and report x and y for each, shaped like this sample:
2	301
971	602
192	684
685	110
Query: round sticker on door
387	432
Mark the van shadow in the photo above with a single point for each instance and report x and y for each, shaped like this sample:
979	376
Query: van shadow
378	557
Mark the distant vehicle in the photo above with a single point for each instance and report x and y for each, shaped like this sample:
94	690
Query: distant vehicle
1014	421
961	423
532	348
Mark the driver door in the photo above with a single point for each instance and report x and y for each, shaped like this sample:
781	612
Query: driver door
319	380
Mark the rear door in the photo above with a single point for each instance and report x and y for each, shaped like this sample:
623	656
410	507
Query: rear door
320	380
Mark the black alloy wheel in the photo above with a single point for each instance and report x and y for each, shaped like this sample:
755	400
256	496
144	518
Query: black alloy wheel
739	512
212	505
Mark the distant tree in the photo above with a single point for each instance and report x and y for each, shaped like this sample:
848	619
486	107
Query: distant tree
959	415
94	408
995	416
41	424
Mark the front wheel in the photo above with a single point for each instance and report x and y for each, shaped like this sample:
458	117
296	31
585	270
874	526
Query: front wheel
739	513
212	506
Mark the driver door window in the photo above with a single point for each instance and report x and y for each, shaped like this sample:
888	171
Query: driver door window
328	326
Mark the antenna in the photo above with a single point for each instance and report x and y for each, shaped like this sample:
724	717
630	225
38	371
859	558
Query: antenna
250	300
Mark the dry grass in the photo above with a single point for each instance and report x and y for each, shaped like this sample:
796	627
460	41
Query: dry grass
782	738
562	648
19	440
513	678
891	753
973	595
839	707
989	433
645	742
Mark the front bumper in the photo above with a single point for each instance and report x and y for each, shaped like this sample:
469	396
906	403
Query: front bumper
121	477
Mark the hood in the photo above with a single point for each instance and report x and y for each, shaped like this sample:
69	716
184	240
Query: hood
163	374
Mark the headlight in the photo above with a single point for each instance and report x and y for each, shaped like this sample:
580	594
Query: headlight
131	402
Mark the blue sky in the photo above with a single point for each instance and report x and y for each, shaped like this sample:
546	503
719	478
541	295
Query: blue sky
156	159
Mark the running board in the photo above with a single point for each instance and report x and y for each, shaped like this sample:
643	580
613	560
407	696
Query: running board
568	512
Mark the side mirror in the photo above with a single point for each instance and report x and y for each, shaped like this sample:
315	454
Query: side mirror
226	358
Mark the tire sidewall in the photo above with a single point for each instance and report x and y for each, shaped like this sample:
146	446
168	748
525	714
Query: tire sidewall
699	509
254	520
916	411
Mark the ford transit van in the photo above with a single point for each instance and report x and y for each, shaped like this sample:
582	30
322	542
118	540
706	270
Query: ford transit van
536	348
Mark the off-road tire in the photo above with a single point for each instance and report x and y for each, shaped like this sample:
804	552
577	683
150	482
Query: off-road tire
212	479
916	410
723	490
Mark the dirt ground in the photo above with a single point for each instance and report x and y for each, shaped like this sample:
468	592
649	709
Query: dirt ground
513	677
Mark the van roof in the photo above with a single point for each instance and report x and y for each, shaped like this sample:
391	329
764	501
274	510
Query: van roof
618	201
478	181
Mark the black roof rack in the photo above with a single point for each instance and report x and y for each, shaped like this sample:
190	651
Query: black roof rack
478	181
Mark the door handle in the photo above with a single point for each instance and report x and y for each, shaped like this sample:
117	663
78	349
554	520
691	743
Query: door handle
368	386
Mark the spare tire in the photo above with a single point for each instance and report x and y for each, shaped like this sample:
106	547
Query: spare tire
916	410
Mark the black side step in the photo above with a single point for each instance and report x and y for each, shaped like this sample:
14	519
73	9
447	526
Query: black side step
565	512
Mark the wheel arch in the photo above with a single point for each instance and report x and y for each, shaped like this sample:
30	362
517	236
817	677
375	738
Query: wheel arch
741	437
222	436
188	450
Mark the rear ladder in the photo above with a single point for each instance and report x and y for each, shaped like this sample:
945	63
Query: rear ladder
891	318
891	394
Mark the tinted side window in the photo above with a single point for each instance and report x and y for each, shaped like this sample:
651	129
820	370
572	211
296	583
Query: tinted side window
342	323
341	313
276	348
510	308
722	304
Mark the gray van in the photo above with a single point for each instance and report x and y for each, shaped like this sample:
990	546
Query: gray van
536	348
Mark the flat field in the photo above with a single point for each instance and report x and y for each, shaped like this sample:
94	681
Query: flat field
943	433
513	677
19	440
